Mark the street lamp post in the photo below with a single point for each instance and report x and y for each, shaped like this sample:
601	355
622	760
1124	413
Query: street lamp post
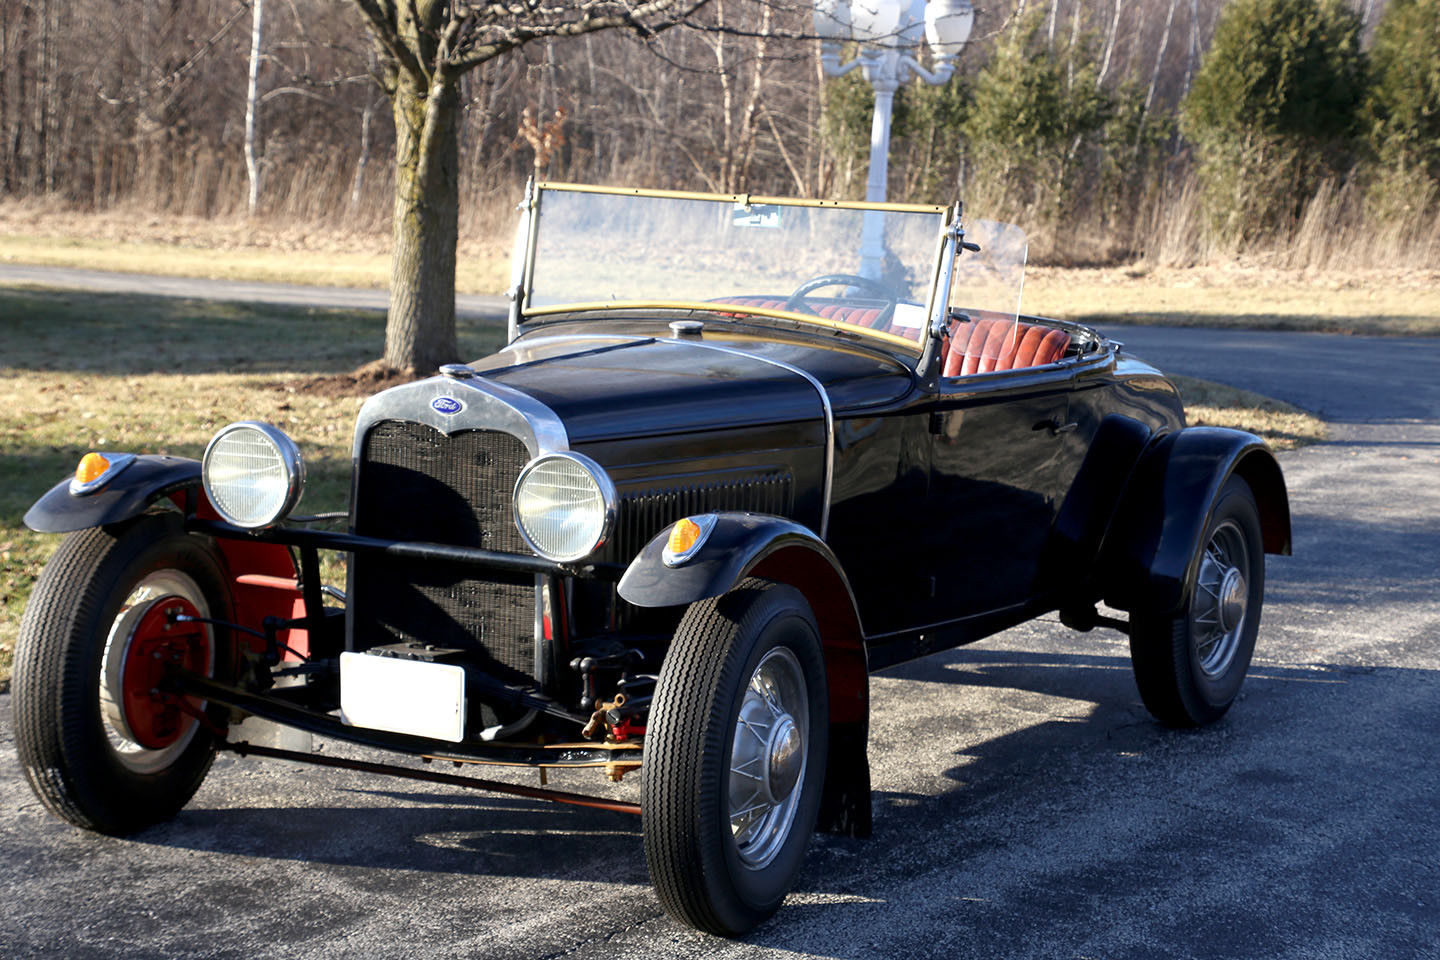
889	33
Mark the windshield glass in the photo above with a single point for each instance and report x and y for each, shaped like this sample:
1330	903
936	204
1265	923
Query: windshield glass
985	298
595	249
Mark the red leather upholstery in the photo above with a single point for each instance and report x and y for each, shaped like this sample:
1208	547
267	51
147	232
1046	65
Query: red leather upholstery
997	343
859	316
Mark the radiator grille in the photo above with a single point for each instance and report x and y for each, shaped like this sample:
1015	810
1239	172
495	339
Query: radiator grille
644	513
416	483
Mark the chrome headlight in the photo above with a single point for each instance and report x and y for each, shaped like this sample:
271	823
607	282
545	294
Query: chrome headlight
564	506
253	474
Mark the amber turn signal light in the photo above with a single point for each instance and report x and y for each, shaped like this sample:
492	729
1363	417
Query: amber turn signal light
686	538
91	467
683	536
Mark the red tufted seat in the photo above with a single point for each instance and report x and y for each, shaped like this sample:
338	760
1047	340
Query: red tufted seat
998	343
859	316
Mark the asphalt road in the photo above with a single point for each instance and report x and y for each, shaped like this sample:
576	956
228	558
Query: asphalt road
1026	806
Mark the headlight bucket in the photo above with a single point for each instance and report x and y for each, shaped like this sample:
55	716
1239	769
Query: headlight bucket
564	506
253	474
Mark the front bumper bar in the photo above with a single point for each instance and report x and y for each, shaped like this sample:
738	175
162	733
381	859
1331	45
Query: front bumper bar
409	550
277	710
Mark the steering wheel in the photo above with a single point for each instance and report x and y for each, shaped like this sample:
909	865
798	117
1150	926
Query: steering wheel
797	299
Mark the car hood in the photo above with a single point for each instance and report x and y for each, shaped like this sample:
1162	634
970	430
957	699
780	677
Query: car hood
605	386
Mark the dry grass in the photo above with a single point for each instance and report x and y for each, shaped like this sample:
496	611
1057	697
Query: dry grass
132	240
1282	425
1242	294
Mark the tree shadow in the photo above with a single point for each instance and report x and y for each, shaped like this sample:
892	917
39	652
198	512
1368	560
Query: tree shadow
130	334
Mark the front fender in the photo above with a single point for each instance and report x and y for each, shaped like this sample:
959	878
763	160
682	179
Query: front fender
133	489
749	544
738	543
1151	551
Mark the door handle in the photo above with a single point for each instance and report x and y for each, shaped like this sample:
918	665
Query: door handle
1055	426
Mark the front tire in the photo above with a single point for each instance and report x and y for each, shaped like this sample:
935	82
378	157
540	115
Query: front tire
99	748
1189	666
735	753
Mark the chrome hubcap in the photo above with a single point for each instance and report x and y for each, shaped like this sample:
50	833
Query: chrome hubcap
1218	610
768	757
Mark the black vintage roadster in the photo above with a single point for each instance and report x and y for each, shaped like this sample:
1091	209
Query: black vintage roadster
739	453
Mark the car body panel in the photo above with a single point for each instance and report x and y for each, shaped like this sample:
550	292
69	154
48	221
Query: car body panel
145	480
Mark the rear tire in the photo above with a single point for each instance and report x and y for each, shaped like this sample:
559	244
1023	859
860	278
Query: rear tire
735	753
99	752
1189	666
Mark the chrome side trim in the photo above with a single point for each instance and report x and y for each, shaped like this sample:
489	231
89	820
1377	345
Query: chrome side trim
824	402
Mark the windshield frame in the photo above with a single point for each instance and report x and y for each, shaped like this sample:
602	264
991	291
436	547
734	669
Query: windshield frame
522	310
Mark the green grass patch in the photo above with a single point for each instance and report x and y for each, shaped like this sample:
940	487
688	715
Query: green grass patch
84	371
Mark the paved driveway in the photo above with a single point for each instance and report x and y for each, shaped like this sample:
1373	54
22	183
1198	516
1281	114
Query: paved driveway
1026	806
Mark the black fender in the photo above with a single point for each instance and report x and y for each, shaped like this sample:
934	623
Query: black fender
274	589
133	489
1149	554
750	544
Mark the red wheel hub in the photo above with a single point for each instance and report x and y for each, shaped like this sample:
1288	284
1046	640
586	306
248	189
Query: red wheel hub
156	719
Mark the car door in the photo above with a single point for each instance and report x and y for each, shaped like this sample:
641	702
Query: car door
1000	465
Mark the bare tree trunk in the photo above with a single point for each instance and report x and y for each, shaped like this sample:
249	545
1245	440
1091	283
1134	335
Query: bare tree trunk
747	116
1050	26
727	99
22	85
1074	40
39	120
252	164
357	184
420	333
6	158
1109	45
1160	56
1194	51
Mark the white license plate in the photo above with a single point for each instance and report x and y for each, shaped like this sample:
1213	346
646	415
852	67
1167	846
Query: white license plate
403	696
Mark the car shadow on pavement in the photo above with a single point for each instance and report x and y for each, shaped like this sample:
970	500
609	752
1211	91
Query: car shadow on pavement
1049	821
439	832
1014	789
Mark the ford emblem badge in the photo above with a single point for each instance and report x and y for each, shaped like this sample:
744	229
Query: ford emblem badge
447	405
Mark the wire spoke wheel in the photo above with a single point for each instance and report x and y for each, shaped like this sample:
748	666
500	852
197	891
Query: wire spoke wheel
1217	610
1189	664
735	752
768	757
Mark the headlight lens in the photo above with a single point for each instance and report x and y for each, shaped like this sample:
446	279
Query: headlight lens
564	506
253	474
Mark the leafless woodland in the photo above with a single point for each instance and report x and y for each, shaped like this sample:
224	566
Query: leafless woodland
105	103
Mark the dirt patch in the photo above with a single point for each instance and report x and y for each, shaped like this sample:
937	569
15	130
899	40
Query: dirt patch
360	382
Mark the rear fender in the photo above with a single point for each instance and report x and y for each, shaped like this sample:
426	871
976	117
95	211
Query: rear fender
262	577
753	545
1149	556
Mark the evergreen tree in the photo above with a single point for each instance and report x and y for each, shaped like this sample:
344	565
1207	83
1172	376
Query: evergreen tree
1274	110
1402	111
